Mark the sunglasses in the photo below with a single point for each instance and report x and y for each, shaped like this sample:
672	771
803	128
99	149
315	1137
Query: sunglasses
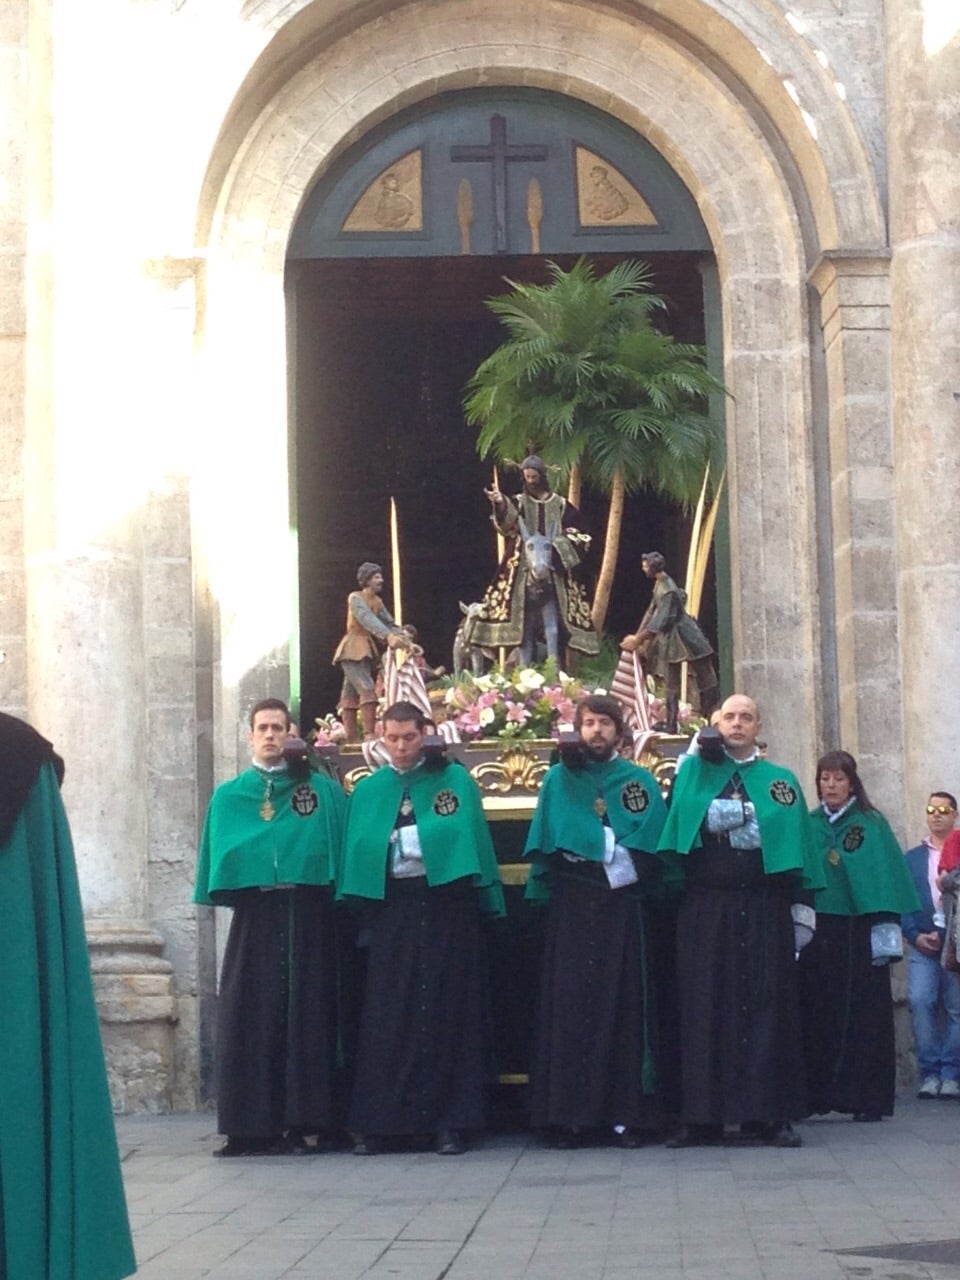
940	808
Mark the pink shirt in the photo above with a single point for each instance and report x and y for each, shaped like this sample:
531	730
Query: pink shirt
933	869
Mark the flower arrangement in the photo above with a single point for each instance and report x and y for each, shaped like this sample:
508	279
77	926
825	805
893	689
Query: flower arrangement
523	703
327	730
531	702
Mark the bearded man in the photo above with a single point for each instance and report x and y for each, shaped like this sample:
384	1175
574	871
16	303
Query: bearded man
538	510
593	842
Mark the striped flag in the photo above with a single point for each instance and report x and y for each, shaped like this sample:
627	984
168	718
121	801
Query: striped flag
629	687
403	681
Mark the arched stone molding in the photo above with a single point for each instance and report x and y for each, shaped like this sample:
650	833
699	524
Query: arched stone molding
703	129
782	79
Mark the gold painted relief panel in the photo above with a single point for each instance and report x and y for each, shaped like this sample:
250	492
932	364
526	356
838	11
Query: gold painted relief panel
605	198
393	202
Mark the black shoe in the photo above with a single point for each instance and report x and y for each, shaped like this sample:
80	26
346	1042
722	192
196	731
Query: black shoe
237	1146
630	1139
299	1144
566	1138
696	1135
867	1117
366	1147
784	1135
450	1143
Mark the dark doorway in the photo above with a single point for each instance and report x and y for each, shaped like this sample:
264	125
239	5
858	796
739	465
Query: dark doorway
381	350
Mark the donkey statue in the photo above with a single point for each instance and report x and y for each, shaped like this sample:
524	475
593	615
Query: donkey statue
540	609
465	652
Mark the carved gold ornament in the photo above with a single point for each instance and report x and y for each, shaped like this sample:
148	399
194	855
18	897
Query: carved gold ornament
514	769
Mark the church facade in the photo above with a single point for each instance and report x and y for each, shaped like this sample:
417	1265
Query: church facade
167	160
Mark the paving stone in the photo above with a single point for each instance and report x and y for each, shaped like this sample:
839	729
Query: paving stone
512	1210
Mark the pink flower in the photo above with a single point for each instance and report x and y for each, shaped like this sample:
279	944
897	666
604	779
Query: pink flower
516	714
565	710
469	721
488	699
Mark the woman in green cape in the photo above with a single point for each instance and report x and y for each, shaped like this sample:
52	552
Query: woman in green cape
845	971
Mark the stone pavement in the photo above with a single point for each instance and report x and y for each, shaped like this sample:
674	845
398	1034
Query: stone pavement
865	1201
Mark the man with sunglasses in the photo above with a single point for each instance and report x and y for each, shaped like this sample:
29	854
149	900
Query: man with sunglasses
932	993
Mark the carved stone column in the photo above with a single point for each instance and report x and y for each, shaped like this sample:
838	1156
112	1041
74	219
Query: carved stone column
854	318
923	130
85	487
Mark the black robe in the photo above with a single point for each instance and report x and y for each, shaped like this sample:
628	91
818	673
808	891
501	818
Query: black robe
277	1032
739	1007
593	1063
423	1047
849	1044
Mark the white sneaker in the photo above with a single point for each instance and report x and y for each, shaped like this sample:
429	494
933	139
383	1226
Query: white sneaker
950	1089
932	1088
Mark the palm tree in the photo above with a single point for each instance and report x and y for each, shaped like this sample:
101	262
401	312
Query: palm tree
587	376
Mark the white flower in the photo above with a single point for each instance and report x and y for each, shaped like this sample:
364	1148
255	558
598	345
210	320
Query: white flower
599	690
483	683
528	680
450	697
487	716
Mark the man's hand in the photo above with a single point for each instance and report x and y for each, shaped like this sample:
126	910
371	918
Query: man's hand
397	640
629	643
928	943
495	496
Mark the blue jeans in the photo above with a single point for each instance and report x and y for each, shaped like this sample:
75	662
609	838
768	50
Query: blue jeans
928	988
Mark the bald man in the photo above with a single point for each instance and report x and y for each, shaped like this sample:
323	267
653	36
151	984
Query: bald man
742	826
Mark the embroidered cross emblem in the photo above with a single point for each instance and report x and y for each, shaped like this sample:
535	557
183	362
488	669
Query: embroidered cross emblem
853	839
782	792
445	804
304	800
634	797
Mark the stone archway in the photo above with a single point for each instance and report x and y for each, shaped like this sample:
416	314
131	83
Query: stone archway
769	197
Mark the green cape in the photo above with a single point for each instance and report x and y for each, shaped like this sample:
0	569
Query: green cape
566	816
863	866
241	850
62	1210
786	830
453	832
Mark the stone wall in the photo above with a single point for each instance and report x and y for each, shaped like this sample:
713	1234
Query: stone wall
13	234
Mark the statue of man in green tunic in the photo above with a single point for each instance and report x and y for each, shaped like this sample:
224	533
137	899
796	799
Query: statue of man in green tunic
667	637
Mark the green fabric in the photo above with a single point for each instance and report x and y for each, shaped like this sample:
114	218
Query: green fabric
241	850
863	866
451	825
677	635
786	829
566	817
62	1210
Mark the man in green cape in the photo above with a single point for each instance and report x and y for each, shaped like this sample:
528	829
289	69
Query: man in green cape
419	862
593	842
62	1209
742	828
269	849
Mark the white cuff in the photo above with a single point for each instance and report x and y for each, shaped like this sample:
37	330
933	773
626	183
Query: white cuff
804	915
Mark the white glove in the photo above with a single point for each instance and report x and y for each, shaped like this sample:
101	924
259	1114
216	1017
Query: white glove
886	943
802	934
804	925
